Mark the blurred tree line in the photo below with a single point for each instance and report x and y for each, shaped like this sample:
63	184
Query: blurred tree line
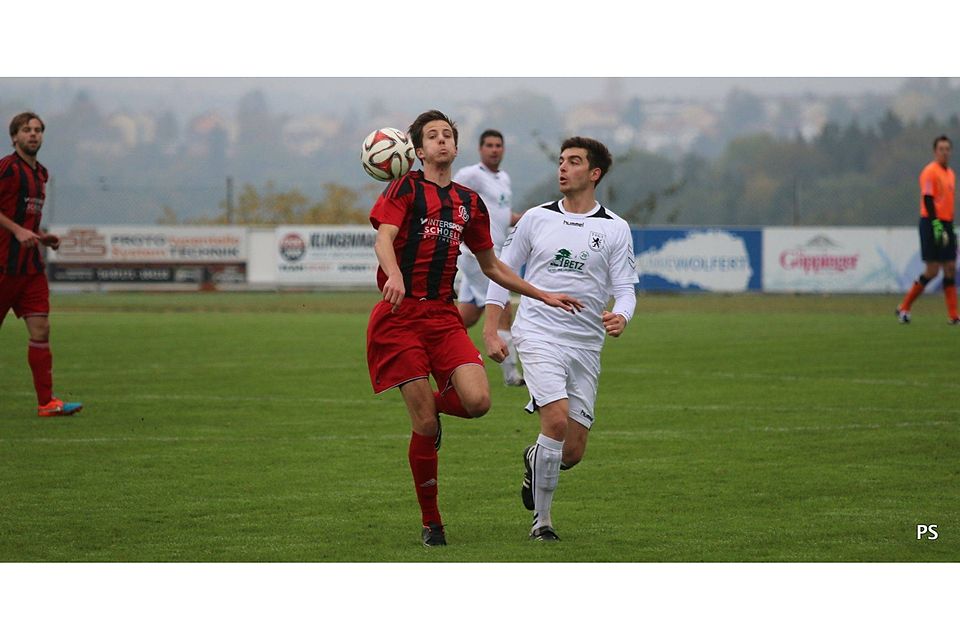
846	175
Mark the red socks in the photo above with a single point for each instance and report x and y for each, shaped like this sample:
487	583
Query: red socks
449	403
912	295
423	464
950	293
41	364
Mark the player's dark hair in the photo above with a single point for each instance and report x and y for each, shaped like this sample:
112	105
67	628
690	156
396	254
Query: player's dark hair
942	139
598	156
490	133
22	119
416	129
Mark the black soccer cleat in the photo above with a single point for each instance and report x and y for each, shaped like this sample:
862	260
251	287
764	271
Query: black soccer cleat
545	534
954	321
433	535
526	489
902	316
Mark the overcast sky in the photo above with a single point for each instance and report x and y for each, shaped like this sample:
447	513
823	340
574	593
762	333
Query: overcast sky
188	96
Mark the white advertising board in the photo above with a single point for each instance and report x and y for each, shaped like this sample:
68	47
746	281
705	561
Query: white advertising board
109	244
336	256
840	259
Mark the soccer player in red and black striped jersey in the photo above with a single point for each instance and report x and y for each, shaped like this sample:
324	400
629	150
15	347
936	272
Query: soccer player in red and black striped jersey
416	330
23	282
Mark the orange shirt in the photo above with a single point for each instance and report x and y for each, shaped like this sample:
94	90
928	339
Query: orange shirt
940	183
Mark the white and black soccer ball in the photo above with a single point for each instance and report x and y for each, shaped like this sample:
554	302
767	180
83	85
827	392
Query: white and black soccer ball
387	154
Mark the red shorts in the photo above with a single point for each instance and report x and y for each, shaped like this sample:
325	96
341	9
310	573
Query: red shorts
423	337
27	295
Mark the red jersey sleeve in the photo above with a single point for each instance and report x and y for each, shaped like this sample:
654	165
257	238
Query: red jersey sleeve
392	205
476	234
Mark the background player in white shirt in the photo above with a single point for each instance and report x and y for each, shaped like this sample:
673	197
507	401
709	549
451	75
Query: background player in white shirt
575	245
493	185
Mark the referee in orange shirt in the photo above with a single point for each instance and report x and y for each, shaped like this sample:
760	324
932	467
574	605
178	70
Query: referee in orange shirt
938	240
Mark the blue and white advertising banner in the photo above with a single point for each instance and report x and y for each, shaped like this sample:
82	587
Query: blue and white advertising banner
698	259
840	259
334	256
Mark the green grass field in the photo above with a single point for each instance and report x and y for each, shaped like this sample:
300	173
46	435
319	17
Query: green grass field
242	427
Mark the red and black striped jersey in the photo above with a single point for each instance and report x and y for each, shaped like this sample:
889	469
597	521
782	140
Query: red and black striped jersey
22	192
433	222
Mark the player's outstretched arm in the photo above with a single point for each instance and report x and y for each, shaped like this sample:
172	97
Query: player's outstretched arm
503	275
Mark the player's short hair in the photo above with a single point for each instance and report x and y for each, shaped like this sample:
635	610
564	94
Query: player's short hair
416	129
598	156
942	139
23	118
490	133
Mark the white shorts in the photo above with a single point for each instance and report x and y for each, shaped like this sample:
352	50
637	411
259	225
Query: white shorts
473	284
553	372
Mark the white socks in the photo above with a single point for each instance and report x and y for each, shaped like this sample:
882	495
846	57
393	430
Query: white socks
546	471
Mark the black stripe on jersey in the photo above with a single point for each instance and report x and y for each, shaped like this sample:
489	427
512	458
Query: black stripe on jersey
441	252
399	188
553	206
601	213
412	244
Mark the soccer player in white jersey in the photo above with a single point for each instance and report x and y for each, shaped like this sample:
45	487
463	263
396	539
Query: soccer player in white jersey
576	245
493	184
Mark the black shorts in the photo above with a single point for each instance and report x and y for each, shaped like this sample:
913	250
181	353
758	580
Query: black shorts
930	251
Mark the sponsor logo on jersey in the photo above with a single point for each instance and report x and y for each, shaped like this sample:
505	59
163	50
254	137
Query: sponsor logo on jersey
564	261
441	230
572	224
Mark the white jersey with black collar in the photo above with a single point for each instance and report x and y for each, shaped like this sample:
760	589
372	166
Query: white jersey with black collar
495	189
585	255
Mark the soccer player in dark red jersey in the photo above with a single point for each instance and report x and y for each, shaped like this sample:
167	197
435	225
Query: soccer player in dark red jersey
416	331
23	282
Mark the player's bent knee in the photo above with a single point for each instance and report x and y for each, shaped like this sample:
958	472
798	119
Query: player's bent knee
478	405
427	426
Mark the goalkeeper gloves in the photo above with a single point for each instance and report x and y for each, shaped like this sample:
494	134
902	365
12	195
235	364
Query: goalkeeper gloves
940	234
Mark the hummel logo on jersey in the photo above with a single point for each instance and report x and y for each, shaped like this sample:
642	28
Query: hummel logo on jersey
563	262
572	224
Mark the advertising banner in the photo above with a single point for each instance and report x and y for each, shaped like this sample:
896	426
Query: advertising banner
698	259
336	256
840	259
136	254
